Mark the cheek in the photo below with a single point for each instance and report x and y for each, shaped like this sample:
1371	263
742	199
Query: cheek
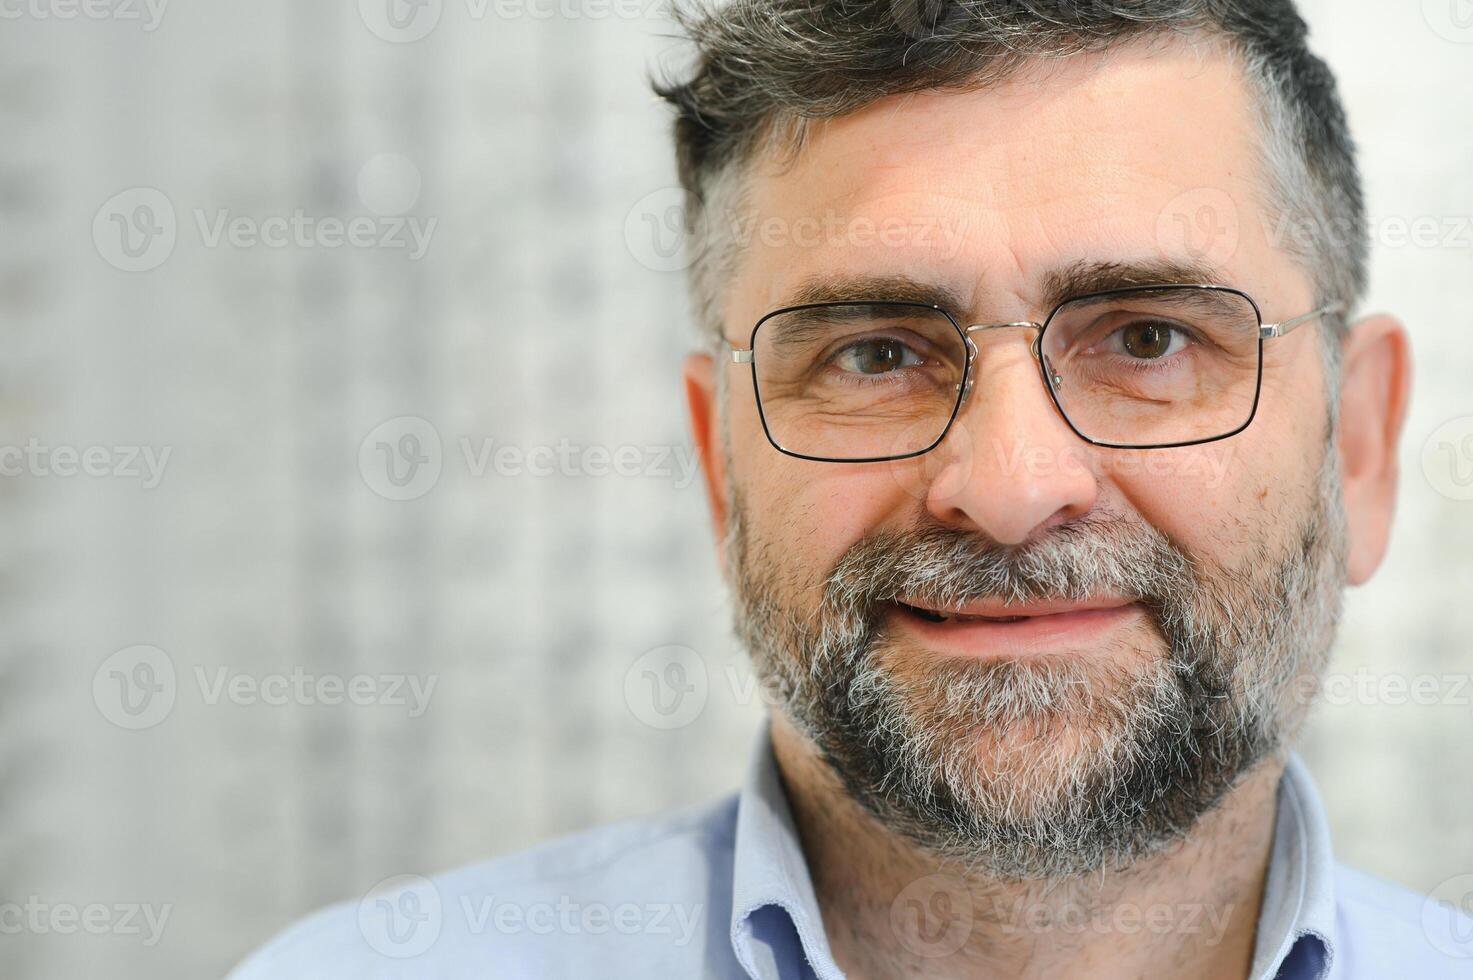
1228	500
1205	499
809	513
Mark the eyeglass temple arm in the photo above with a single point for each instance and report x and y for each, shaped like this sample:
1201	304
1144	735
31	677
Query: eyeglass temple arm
1284	326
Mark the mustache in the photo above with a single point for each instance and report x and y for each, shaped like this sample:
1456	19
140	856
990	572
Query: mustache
940	566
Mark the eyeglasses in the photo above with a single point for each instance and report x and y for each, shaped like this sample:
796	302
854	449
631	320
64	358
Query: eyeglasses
1138	367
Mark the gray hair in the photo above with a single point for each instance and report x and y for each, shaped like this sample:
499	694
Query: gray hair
764	68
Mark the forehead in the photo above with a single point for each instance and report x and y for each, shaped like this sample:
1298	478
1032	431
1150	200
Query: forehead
1148	153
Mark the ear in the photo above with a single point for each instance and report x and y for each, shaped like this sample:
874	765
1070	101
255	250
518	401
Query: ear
699	374
1375	381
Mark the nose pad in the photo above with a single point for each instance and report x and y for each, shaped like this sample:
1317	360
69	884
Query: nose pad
1048	367
1054	377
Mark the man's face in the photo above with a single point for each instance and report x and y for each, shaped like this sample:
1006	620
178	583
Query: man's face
1020	744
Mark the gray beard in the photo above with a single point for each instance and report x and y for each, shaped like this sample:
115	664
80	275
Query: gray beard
1057	767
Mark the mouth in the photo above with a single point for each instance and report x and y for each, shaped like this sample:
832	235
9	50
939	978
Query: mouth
938	616
990	628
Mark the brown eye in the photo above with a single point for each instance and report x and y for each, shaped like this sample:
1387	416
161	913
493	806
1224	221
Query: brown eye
877	355
1148	339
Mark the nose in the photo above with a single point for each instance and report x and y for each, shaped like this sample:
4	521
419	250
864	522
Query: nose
1010	467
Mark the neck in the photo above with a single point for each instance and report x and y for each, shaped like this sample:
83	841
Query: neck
892	909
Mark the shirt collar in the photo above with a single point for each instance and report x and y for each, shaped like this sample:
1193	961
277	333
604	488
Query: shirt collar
777	931
1296	921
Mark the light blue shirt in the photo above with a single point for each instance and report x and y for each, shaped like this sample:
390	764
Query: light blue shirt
722	891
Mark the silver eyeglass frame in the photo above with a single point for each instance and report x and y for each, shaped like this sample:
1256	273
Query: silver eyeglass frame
1266	331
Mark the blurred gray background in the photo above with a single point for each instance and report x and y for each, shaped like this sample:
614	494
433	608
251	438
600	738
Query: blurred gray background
347	500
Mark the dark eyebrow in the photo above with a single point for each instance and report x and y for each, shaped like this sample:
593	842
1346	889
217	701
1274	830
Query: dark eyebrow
1075	279
1081	278
880	289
